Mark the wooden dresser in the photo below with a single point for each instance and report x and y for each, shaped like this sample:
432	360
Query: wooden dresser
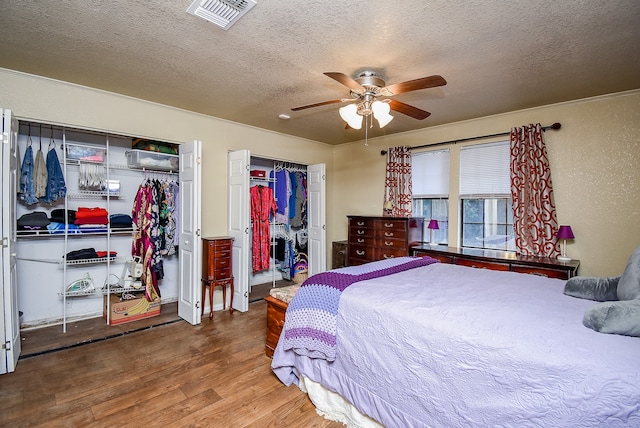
217	270
378	238
499	260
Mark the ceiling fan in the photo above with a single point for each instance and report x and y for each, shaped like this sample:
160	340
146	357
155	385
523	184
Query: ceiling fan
365	90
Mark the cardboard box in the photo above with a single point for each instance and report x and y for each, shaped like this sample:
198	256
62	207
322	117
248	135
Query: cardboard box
122	311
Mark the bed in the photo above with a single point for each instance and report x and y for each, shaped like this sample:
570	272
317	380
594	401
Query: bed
442	345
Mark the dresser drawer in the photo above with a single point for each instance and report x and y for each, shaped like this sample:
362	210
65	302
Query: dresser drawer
361	222
390	253
221	262
361	252
443	258
361	232
542	271
482	264
367	241
391	224
391	244
222	273
392	233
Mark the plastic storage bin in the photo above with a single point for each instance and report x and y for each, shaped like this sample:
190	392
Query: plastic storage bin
152	160
85	153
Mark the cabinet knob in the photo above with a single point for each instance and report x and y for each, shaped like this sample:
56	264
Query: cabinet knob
360	253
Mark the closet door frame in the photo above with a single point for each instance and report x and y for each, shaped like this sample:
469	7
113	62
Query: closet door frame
190	257
239	221
10	318
316	218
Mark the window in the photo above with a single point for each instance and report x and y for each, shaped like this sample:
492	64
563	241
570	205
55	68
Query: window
430	181
485	197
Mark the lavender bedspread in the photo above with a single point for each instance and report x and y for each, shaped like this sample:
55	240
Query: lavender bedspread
312	313
453	346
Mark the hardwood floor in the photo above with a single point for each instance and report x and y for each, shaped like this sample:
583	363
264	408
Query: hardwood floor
211	375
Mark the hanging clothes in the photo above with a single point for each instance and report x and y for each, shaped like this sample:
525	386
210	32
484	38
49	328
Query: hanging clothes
281	189
176	212
56	186
299	218
26	189
40	175
263	205
167	219
155	230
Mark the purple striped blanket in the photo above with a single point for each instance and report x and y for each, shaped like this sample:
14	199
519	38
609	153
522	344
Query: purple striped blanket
311	318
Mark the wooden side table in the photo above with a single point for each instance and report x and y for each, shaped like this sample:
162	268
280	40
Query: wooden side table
217	270
339	255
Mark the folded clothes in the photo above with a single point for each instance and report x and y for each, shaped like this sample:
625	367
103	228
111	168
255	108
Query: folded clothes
85	212
104	253
120	220
58	215
33	221
85	253
56	228
92	220
93	228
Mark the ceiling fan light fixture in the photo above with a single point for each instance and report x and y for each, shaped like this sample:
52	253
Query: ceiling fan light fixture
381	113
384	121
349	114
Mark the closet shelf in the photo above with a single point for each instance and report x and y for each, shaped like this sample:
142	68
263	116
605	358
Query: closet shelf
72	233
116	259
99	291
90	194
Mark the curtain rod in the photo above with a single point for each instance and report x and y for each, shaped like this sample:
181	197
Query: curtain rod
555	126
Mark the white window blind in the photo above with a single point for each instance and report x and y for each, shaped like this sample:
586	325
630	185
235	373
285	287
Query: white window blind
484	171
430	174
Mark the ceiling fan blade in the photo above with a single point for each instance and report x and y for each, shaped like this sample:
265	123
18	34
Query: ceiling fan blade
412	111
346	81
414	85
323	103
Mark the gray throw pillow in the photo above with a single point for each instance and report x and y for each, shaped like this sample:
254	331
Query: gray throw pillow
592	288
629	284
614	318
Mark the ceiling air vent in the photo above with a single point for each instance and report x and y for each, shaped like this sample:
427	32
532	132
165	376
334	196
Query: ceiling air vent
223	13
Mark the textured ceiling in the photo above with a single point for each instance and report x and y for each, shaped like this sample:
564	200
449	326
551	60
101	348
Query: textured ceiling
496	55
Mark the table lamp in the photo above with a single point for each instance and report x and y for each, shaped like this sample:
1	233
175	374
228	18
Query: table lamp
565	233
433	225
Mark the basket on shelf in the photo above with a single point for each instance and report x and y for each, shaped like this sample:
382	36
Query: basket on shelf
300	269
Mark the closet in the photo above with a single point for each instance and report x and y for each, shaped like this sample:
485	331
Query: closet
279	231
290	207
68	268
41	286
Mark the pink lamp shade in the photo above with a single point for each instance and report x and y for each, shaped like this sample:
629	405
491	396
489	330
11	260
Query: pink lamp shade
565	232
433	224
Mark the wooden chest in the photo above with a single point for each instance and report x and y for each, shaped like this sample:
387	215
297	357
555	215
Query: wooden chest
276	310
379	238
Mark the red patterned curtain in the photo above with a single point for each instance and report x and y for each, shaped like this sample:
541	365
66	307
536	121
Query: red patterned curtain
397	184
534	210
